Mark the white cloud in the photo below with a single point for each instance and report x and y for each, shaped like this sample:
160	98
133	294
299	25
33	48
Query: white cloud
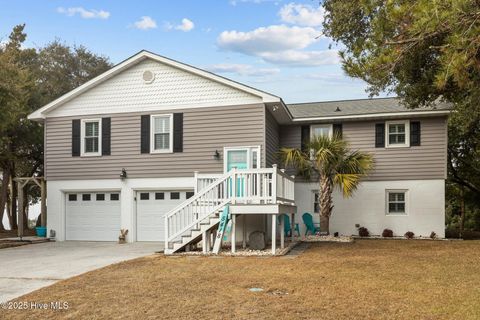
145	23
185	26
302	58
267	39
332	78
84	13
279	44
242	70
302	14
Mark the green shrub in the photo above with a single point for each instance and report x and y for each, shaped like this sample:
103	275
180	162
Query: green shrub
409	235
363	232
387	233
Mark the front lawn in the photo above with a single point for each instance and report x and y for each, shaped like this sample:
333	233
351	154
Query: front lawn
368	279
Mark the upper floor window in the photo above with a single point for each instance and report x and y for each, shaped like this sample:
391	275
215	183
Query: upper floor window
161	133
396	202
321	130
90	137
398	133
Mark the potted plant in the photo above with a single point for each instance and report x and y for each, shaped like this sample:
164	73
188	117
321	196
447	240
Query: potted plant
123	236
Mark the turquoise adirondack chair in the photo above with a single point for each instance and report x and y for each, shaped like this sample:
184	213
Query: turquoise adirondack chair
287	228
311	226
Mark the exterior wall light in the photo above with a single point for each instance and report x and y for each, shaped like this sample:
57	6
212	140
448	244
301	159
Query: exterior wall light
123	175
216	155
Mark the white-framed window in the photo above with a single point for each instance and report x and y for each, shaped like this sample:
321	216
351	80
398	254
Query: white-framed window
161	133
316	202
91	143
397	134
323	130
396	202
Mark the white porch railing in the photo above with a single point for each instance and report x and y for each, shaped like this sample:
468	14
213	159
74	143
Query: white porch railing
252	186
203	180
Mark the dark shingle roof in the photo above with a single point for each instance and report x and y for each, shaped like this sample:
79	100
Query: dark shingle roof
354	107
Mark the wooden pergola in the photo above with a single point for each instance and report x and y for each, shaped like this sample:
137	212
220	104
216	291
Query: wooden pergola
21	183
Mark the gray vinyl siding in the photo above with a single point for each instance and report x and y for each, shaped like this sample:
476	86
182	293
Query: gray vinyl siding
427	161
205	130
272	139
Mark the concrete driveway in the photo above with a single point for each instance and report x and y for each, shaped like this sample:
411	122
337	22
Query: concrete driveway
28	268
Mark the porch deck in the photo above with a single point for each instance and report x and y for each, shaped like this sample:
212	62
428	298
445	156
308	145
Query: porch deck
262	191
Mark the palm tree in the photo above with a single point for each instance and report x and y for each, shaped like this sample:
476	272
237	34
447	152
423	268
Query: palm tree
333	164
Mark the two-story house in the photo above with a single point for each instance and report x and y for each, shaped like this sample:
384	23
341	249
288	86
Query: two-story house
159	147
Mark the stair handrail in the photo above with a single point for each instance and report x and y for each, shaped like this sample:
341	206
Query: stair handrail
196	197
201	193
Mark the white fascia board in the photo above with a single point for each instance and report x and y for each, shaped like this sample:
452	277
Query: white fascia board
41	113
375	115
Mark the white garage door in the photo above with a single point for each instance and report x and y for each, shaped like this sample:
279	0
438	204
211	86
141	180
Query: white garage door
93	216
151	209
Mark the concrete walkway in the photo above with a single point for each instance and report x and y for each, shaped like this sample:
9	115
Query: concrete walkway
28	268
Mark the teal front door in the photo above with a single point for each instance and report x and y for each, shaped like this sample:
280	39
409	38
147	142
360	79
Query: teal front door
237	159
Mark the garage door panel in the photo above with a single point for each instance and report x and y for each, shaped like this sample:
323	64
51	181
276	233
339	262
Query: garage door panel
151	212
93	220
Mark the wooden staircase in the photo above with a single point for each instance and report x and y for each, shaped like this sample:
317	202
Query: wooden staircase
193	220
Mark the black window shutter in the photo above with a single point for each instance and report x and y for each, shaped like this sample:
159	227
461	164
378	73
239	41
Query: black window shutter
415	133
145	134
75	138
379	135
338	130
305	136
178	132
106	136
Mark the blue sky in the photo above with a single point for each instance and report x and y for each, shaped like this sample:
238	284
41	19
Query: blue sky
273	45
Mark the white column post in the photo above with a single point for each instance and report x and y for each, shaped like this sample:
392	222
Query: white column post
195	180
274	184
204	243
234	231
166	233
282	231
208	244
274	233
43	196
244	232
234	185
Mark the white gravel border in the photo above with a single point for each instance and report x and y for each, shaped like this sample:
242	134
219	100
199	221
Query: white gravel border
240	252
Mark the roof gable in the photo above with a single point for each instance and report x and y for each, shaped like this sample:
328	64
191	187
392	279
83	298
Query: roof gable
176	85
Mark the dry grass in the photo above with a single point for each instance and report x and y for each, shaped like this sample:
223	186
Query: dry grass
368	279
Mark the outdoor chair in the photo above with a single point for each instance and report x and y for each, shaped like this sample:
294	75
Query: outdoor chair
309	224
287	228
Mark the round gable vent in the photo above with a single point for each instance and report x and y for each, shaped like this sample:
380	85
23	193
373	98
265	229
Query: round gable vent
148	76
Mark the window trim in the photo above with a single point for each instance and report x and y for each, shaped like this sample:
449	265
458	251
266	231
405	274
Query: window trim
152	133
407	134
387	209
329	125
249	150
82	138
315	192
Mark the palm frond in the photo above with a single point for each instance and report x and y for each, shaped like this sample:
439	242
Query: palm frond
354	166
296	158
347	182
